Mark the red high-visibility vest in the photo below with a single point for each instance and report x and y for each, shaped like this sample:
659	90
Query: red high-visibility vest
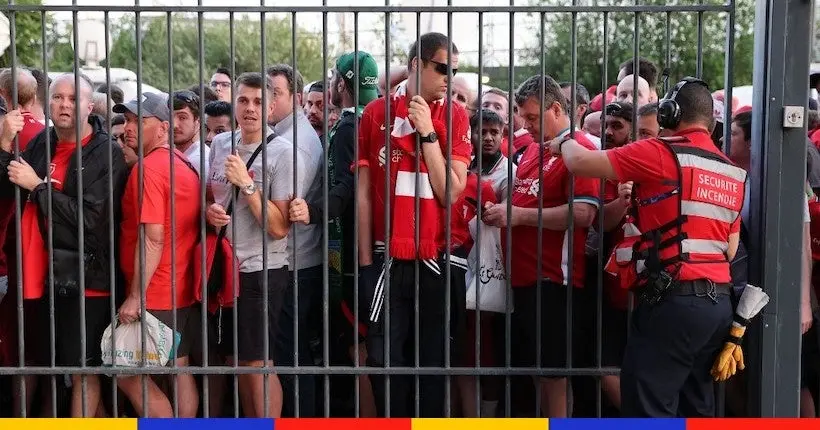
685	229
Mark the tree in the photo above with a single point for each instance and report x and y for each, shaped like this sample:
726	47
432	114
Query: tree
28	37
652	34
185	53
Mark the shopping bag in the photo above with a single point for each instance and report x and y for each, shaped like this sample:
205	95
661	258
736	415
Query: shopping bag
491	289
160	346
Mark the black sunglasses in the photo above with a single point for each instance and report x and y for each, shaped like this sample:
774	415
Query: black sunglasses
441	68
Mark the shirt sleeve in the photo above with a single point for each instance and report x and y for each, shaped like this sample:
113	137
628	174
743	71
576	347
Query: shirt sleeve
587	190
154	197
281	177
735	226
364	138
641	161
462	145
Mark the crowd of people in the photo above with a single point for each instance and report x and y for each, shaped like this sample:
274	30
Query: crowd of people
510	162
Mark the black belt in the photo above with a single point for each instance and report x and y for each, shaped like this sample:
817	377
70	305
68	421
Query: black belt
701	288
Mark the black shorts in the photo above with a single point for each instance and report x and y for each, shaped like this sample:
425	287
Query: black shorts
613	341
250	312
188	326
67	348
553	325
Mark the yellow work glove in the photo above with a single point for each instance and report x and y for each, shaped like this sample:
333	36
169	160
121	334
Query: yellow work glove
730	359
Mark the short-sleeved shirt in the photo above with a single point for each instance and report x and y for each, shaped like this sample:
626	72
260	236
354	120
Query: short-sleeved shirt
306	244
648	163
157	195
278	178
193	153
555	252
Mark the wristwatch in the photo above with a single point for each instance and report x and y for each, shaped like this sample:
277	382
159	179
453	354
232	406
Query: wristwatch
430	138
249	189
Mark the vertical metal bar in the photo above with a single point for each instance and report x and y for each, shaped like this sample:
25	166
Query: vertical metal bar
21	351
112	264
700	43
782	52
265	293
325	230
416	235
479	209
540	210
387	217
508	256
171	155
52	337
293	232
570	206
602	190
728	77
636	51
355	334
668	62
78	126
448	226
203	224
572	126
141	187
235	279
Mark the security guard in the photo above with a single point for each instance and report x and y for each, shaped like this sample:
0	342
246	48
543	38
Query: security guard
686	201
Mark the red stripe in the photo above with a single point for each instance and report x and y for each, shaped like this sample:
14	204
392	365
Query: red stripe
352	319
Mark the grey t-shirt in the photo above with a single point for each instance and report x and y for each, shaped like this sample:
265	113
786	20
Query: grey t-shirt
309	153
249	232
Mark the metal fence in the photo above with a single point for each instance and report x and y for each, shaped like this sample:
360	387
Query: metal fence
780	79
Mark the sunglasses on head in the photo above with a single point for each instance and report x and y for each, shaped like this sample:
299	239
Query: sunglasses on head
185	96
441	68
613	108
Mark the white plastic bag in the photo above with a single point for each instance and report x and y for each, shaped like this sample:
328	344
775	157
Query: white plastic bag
160	343
493	280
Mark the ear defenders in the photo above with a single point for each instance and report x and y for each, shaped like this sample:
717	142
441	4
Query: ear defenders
669	112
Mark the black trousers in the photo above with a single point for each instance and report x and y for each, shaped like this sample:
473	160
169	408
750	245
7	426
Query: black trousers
432	336
669	353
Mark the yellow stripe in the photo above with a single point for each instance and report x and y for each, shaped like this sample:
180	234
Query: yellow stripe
68	424
480	424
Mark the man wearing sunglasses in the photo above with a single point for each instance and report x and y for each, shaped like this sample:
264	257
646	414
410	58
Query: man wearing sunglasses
417	127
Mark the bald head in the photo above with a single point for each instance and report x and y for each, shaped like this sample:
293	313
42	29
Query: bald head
86	90
462	94
625	90
26	87
592	123
66	102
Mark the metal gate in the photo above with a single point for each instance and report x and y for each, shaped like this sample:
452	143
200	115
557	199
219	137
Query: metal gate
782	30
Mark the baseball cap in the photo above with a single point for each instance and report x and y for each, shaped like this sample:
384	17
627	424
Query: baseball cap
368	74
153	104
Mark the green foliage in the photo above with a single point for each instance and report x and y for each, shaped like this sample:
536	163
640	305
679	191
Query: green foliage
683	51
28	36
216	37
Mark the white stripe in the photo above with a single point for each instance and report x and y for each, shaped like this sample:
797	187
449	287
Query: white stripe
704	246
431	264
406	185
459	261
708	210
565	255
691	160
588	200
